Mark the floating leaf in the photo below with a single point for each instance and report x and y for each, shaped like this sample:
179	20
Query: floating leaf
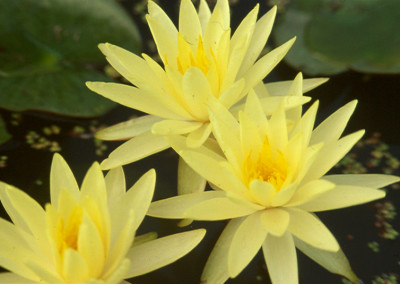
333	36
48	49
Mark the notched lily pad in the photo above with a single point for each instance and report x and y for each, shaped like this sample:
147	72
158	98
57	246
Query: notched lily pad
48	49
337	35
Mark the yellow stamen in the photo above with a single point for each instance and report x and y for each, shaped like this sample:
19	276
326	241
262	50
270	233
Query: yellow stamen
266	167
68	230
186	58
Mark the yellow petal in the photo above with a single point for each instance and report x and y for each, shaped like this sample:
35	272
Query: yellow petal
214	30
259	38
367	180
135	149
75	268
255	112
160	16
265	64
128	129
204	14
246	242
342	196
295	90
262	191
160	252
90	246
332	127
115	184
138	99
335	262
196	138
284	195
277	129
218	209
93	185
189	23
196	90
305	124
119	273
61	177
216	268
175	207
189	181
275	221
308	228
171	127
249	136
282	87
331	154
44	274
232	94
11	278
280	256
309	191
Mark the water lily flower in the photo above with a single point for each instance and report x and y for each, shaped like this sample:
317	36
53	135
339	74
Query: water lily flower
270	179
86	235
200	59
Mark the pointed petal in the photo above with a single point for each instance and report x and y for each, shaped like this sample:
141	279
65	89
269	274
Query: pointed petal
255	112
128	129
311	230
277	129
232	94
265	64
331	154
367	180
282	87
118	274
115	184
220	209
262	191
281	259
171	127
342	196
284	195
204	14
61	177
189	23
189	181
161	252
259	38
245	244
310	191
138	99
135	149
159	15
93	185
335	262
75	268
275	221
196	138
332	127
175	207
216	268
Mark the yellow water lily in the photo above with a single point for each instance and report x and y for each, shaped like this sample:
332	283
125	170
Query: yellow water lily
86	235
269	179
200	59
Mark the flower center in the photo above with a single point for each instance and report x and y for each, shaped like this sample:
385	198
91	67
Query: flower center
186	58
68	230
266	166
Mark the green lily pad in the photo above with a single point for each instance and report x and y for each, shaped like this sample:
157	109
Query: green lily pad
48	50
335	35
4	136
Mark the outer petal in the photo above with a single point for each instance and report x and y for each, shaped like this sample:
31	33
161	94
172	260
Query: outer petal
160	252
309	191
335	262
220	209
61	177
115	184
311	230
189	23
342	196
216	269
275	221
171	127
128	129
135	149
280	256
245	244
175	207
11	278
368	180
282	87
196	138
204	14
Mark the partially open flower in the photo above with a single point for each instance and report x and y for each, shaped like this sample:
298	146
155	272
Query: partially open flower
86	235
200	60
270	180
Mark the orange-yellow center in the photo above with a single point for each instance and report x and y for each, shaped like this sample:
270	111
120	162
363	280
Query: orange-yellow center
266	166
187	58
68	230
